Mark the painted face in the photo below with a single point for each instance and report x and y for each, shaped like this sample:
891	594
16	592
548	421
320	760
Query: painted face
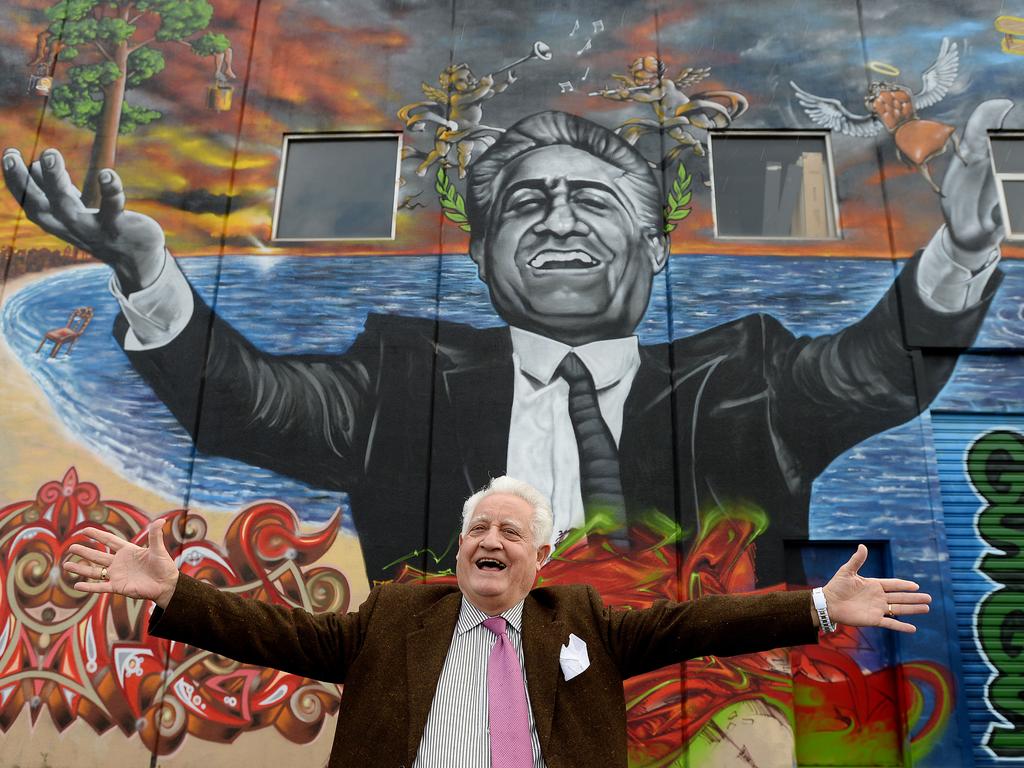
498	560
564	254
460	78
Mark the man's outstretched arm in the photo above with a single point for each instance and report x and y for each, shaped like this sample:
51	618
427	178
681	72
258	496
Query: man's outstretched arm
317	646
727	625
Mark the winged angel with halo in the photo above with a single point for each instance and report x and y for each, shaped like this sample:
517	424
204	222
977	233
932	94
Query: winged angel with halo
894	107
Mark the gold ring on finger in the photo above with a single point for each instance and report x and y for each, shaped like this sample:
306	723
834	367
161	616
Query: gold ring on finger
103	573
888	610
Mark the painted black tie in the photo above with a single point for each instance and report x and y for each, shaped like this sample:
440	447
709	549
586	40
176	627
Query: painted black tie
600	482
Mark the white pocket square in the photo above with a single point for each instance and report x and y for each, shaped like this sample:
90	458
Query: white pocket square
573	657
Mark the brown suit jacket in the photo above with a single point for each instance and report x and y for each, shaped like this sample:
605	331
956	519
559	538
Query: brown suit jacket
390	652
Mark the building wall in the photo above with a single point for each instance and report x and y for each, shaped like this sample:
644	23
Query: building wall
317	430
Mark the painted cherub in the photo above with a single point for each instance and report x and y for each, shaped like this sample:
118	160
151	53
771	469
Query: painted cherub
894	106
676	113
457	109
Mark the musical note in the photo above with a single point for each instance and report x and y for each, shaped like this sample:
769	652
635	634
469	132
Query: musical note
566	86
598	26
585	74
575	28
586	47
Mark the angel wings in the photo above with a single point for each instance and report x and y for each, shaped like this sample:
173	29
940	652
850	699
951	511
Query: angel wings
935	84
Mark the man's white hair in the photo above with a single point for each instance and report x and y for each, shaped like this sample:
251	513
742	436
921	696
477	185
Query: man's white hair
543	518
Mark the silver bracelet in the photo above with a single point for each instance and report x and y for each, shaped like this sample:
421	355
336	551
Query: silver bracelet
818	595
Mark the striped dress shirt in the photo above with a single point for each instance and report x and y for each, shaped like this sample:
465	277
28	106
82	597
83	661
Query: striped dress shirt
456	733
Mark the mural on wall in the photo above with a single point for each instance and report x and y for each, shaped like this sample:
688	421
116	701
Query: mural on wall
676	114
372	395
566	231
981	458
111	48
57	653
1012	28
894	106
456	108
994	464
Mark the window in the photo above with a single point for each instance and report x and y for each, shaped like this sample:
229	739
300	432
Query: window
773	185
340	186
1008	165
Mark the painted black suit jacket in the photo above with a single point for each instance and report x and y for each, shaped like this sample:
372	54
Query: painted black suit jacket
391	651
414	417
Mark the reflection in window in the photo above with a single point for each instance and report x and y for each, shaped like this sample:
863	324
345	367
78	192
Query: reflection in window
1008	164
337	187
772	185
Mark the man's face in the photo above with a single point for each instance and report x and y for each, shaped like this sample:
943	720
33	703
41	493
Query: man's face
498	559
565	254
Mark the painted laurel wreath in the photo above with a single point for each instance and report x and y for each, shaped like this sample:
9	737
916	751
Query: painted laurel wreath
676	209
452	204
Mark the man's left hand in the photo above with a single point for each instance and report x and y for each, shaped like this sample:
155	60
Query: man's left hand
861	602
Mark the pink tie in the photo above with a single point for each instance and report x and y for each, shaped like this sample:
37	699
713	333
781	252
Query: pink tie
507	712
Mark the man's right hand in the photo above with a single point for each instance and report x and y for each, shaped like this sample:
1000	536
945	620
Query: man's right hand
146	573
131	243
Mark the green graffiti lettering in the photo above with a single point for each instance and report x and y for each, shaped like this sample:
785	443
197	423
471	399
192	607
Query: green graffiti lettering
1007	693
995	466
1000	625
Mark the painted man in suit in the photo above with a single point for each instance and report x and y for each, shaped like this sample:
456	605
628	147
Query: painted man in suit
477	675
567	234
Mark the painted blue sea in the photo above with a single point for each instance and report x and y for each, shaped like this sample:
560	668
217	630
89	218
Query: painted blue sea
318	306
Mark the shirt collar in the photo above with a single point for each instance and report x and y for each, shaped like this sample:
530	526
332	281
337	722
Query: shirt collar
470	616
608	360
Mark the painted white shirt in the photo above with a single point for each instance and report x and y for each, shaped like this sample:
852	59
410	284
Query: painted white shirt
541	443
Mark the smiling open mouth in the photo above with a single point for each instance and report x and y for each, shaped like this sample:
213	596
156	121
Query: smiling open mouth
486	564
563	260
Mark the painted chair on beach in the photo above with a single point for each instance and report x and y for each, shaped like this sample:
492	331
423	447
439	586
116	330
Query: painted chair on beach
78	321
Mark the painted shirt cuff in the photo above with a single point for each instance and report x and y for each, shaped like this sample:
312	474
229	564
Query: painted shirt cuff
944	284
157	313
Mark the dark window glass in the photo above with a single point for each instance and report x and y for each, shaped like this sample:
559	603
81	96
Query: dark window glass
337	187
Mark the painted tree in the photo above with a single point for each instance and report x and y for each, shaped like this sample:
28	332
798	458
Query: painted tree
111	45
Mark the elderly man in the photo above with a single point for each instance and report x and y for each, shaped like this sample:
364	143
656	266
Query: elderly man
493	673
567	234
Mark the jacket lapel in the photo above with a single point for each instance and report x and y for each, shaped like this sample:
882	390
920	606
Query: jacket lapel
426	650
542	639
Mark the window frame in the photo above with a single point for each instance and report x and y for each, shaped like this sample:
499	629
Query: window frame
776	133
340	136
1000	177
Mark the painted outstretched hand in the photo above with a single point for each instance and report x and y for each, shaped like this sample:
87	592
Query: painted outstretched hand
970	202
147	573
862	602
132	243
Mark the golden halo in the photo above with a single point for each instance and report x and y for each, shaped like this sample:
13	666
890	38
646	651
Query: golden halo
883	69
